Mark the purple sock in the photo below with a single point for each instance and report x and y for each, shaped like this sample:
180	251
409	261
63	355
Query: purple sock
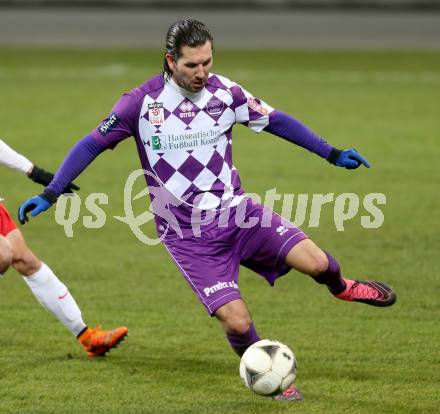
332	276
241	342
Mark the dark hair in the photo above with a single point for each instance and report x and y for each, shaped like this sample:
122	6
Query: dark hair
185	32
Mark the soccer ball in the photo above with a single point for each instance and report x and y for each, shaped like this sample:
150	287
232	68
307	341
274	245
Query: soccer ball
268	367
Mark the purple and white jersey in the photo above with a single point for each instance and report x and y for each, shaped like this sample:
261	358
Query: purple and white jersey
184	139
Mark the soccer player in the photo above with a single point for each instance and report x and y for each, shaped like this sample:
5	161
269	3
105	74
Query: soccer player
44	284
182	121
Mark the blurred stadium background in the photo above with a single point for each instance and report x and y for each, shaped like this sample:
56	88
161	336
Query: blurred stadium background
236	23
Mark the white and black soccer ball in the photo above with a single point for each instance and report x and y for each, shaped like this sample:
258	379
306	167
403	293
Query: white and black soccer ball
268	367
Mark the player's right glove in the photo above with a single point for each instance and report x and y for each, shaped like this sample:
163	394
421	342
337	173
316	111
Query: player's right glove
43	177
34	205
349	159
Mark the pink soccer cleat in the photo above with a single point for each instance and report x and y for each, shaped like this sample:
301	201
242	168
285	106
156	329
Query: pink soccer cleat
370	292
289	394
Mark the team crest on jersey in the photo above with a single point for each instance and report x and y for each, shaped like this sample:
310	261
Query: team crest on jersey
254	105
214	107
156	115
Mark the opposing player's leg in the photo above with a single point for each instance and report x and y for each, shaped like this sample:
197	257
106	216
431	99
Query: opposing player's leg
6	226
308	258
55	297
5	255
46	287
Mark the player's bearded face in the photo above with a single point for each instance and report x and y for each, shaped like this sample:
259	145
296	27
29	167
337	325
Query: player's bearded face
191	70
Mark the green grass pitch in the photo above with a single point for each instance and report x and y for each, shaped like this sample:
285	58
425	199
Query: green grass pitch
352	358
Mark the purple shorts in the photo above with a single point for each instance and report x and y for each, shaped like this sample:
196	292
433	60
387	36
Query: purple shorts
210	263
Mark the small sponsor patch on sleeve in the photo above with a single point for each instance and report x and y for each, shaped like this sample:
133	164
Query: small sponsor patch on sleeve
255	106
110	123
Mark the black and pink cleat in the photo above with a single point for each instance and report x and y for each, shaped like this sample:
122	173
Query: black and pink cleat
290	394
370	292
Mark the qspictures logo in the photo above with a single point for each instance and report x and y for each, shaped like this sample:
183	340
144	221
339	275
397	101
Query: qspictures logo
365	210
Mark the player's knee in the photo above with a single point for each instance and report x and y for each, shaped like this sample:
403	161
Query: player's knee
239	324
26	263
234	317
318	263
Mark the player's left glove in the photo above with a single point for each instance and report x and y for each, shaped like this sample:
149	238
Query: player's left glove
349	159
43	177
34	205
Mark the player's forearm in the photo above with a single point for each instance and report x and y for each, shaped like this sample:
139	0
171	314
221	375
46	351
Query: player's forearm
292	130
13	159
76	161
